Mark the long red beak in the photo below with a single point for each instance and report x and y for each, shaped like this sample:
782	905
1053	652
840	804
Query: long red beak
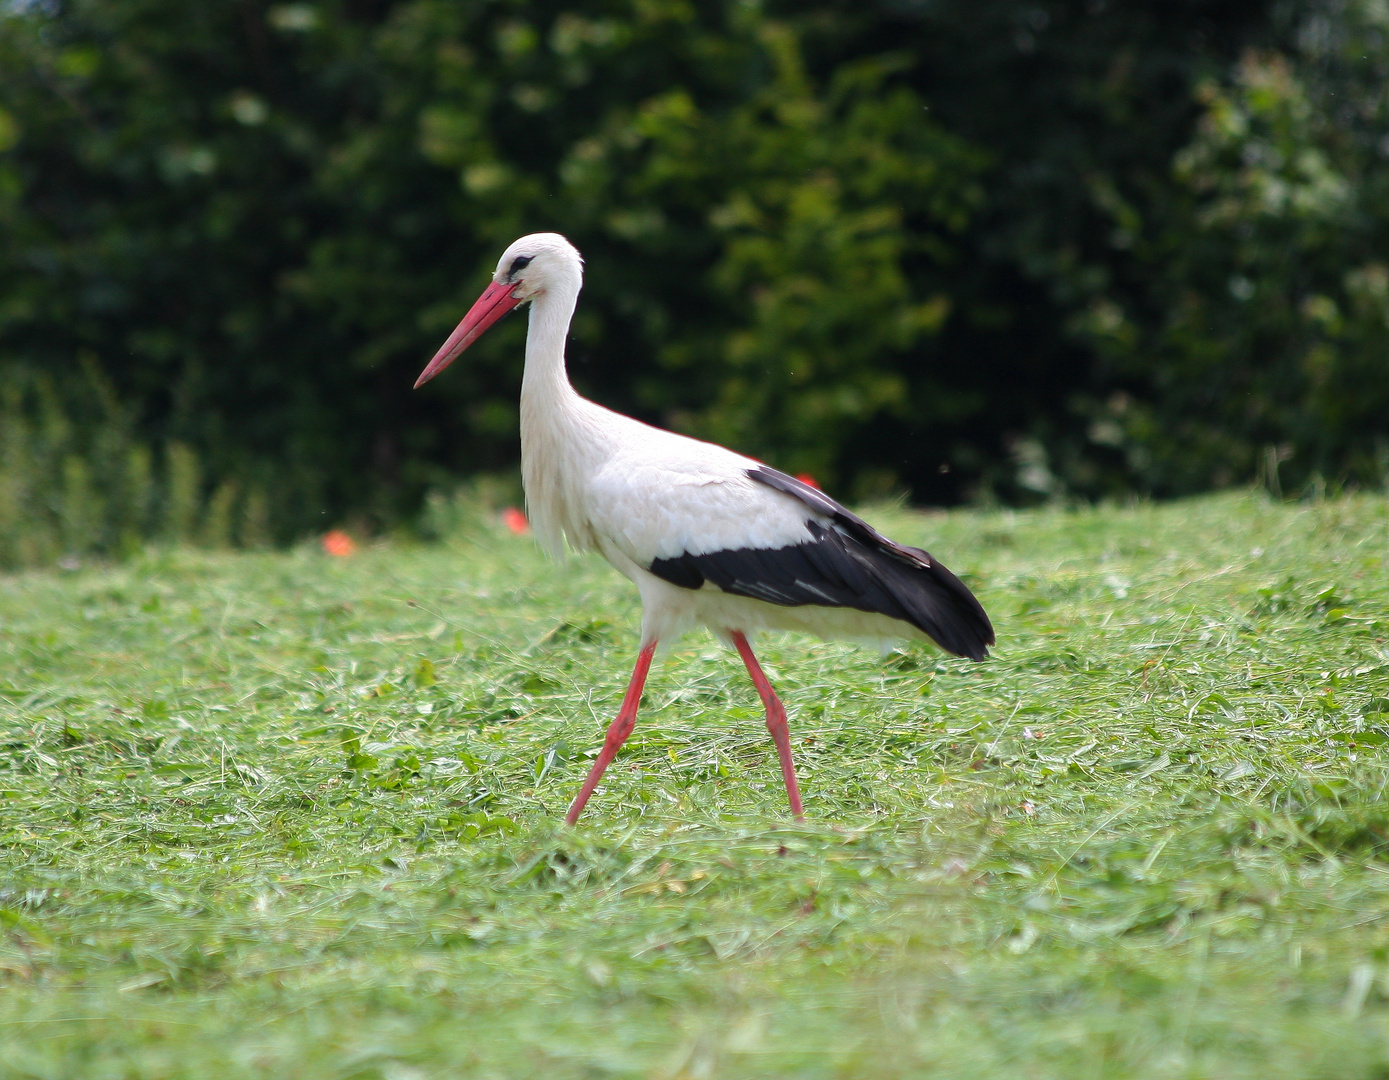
495	302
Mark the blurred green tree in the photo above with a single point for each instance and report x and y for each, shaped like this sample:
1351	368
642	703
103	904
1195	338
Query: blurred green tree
258	221
913	243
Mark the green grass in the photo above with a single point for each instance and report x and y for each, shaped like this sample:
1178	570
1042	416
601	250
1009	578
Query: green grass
284	816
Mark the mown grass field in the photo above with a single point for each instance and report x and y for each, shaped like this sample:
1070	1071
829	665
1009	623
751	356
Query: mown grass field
281	815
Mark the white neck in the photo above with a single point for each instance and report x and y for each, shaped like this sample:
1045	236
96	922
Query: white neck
545	383
558	448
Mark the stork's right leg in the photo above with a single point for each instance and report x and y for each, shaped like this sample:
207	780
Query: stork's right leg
617	731
776	721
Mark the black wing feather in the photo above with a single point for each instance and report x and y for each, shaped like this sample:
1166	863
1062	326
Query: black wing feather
849	564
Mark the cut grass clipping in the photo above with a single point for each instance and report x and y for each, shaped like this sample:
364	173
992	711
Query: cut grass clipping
282	815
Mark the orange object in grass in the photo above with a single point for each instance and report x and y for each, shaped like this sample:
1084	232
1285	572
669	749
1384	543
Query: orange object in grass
516	521
338	544
806	478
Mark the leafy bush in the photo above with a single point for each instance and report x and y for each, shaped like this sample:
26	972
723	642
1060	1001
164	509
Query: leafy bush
1270	349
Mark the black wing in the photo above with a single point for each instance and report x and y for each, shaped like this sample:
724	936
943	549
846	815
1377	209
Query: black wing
845	564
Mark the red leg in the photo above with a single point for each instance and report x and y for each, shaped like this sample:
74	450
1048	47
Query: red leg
776	721
617	732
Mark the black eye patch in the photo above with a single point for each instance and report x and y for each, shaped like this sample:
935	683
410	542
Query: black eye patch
519	263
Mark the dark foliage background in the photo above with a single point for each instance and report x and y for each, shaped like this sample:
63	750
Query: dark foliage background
984	249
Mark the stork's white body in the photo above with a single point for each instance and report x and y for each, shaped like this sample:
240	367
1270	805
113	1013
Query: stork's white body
604	482
676	515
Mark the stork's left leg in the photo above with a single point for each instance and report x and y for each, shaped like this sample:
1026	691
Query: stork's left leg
617	731
776	721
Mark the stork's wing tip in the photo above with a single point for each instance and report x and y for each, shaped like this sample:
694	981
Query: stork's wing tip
970	645
979	653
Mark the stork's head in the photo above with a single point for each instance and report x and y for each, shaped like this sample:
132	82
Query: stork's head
533	265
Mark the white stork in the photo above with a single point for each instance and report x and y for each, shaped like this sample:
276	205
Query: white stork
707	536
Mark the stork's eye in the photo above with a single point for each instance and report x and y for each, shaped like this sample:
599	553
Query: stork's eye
519	263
